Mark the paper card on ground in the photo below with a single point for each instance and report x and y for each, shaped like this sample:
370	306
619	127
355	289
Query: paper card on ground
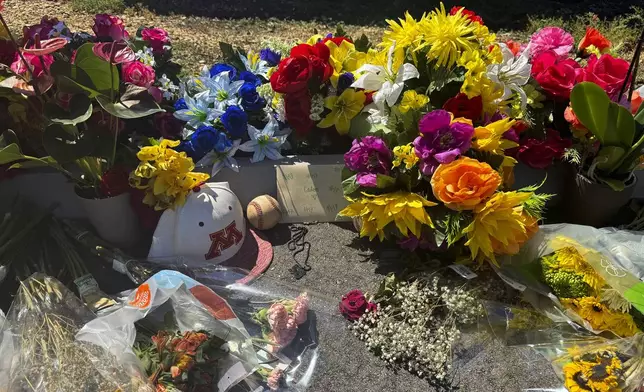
309	192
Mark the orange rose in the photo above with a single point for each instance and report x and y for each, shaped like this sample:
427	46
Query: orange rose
513	246
464	183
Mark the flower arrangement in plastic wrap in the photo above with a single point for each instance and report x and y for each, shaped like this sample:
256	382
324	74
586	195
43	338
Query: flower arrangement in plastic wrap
74	99
428	166
224	115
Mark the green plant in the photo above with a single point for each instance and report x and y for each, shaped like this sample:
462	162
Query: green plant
620	134
98	6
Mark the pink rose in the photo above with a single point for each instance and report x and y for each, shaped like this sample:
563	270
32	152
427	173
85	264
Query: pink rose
301	308
607	72
109	26
156	38
138	74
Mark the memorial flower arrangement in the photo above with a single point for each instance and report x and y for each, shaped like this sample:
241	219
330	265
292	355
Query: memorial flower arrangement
74	98
412	325
223	111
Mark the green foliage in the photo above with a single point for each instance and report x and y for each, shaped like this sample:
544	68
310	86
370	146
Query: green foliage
80	110
453	225
536	204
98	6
565	284
136	102
362	44
349	186
230	55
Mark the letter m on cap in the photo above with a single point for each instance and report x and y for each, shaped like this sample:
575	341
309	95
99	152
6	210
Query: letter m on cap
224	239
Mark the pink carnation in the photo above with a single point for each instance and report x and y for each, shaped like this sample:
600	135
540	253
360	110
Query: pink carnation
551	38
273	380
301	308
277	316
138	74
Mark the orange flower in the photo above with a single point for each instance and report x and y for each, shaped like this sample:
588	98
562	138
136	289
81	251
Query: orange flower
464	183
514	46
513	246
595	38
579	130
636	100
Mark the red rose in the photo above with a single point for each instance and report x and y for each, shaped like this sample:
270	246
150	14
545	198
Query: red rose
115	182
595	38
298	109
169	127
292	75
156	38
607	72
109	26
540	154
556	78
354	304
471	15
138	74
462	106
318	55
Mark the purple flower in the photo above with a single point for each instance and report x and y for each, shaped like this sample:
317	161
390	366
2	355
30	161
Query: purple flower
345	81
441	140
368	157
271	57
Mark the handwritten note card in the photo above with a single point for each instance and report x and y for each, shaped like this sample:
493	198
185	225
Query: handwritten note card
309	192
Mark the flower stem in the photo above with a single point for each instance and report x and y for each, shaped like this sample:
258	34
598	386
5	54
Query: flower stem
115	127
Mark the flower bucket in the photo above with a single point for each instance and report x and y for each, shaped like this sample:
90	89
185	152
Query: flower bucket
594	204
113	219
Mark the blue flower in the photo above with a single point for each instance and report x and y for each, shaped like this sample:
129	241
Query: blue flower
250	99
271	57
221	67
180	104
202	141
345	81
250	77
235	121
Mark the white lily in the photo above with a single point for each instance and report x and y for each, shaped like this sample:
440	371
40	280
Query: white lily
219	160
223	91
387	83
512	73
264	143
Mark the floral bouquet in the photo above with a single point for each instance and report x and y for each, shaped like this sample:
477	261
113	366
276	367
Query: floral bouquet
413	325
223	111
583	276
185	361
280	321
75	98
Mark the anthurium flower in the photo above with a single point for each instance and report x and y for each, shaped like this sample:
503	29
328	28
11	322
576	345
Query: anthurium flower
49	46
343	109
405	209
115	52
388	81
264	143
500	226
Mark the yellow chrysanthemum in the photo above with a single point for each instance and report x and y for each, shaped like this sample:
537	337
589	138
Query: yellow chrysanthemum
447	36
601	317
165	175
411	100
404	33
344	58
405	209
489	138
405	155
343	109
569	259
500	225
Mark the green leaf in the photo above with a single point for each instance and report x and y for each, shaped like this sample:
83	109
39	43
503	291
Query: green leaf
231	55
72	80
103	75
349	185
609	156
12	153
616	185
136	102
639	116
64	147
80	110
611	123
340	32
362	44
384	181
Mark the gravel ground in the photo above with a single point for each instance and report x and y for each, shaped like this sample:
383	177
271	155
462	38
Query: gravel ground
337	261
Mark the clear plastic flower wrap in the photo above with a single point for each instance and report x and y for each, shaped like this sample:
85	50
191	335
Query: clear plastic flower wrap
582	275
40	353
597	364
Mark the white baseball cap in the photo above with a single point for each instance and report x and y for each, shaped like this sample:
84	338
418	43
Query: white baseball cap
208	229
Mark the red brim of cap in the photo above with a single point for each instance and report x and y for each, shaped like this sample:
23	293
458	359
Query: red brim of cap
255	256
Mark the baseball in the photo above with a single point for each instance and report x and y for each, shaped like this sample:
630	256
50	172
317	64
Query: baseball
263	212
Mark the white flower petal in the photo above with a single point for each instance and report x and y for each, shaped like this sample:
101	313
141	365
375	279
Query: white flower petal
249	146
407	71
396	90
258	156
272	153
232	164
216	168
369	82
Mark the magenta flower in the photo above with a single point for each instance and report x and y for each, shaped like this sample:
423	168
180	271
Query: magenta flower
368	157
441	140
116	52
156	38
551	38
109	26
139	74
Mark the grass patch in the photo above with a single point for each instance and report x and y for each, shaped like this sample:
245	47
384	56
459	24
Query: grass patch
98	6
